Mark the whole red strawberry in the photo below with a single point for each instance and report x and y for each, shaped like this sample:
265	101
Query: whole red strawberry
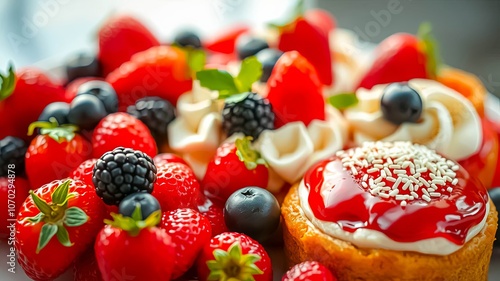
215	214
190	231
234	256
312	43
234	166
120	37
18	93
130	248
122	129
84	171
86	268
168	157
161	71
55	225
13	192
309	271
54	153
176	187
295	91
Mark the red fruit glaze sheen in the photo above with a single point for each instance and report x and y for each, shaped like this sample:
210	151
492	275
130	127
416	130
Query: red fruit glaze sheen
347	203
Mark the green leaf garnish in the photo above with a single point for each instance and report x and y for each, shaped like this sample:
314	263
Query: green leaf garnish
430	47
7	83
227	85
343	101
48	231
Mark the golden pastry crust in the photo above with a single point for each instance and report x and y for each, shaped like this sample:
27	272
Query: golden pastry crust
304	242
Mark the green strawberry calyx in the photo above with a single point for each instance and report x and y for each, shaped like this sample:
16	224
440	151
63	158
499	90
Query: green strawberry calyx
134	224
7	83
429	46
52	129
229	86
56	216
343	101
233	264
248	155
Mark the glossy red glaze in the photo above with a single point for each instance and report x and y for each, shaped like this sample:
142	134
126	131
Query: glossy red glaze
337	196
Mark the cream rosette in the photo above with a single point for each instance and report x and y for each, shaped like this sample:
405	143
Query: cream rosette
196	132
292	149
449	123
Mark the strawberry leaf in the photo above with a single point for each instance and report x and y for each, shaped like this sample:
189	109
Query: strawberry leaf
133	225
48	231
63	236
343	101
249	156
217	80
61	193
7	83
430	47
53	130
36	219
250	72
233	264
40	204
75	216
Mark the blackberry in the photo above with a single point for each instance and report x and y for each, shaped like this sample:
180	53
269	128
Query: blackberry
156	113
249	115
121	172
12	151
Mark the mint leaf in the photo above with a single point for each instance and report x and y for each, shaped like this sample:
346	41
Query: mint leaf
250	72
343	101
429	46
217	80
196	59
7	83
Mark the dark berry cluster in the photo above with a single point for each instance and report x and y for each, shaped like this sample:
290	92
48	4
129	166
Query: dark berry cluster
155	112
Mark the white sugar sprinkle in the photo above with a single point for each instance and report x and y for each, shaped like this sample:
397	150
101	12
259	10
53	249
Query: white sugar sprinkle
372	170
455	181
426	198
403	203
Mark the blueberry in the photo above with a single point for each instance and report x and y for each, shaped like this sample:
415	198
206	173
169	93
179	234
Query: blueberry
247	46
401	103
268	59
103	91
148	203
82	65
253	211
495	197
187	38
86	111
58	110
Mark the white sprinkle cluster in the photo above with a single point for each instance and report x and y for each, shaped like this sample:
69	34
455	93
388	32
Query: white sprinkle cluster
401	170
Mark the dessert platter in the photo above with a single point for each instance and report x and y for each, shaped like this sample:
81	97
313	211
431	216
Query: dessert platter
293	153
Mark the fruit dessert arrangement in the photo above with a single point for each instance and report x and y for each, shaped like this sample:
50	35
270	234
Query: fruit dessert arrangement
180	160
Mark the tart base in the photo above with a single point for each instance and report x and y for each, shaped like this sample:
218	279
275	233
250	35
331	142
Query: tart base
303	241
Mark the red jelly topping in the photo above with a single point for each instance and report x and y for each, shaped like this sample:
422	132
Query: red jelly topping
359	188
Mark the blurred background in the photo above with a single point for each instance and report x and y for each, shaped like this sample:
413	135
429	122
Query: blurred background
44	32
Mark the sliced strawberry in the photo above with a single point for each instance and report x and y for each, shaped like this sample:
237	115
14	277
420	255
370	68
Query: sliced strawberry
234	166
295	91
120	37
190	231
176	187
225	41
160	71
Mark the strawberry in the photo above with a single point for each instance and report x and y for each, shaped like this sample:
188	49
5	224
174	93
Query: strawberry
401	57
295	91
310	271
495	126
119	38
322	19
225	41
54	153
215	214
176	187
29	84
67	209
161	71
122	129
86	268
234	166
234	256
168	158
190	231
310	39
130	248
84	171
13	192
